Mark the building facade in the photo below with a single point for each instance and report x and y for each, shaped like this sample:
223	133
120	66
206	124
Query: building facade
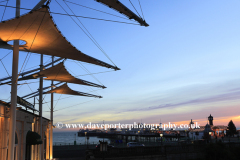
27	127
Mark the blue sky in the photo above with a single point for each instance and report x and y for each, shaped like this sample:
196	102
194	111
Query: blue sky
184	66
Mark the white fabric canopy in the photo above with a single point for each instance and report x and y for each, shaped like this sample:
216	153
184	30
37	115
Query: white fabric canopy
64	89
58	73
115	4
41	35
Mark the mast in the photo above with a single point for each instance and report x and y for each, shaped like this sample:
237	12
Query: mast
12	125
40	93
40	109
51	119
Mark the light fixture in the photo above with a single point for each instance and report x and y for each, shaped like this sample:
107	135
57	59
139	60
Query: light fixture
161	135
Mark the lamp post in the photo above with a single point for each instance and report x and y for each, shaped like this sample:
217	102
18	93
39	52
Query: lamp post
87	141
210	133
138	136
75	140
85	137
161	135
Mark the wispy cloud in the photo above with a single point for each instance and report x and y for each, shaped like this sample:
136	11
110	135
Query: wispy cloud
217	98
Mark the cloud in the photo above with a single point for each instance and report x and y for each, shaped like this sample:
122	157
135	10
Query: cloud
218	98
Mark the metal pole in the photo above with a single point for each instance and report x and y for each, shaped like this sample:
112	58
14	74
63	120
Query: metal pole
40	109
12	124
51	118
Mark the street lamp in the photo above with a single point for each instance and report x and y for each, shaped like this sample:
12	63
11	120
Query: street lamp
161	135
87	141
75	142
85	137
210	133
138	136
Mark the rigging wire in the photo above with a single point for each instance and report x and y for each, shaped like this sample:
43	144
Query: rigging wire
3	1
89	36
78	16
26	63
3	64
134	8
6	55
70	96
75	105
59	98
24	83
10	52
84	68
17	89
29	51
92	38
89	71
98	10
5	68
31	44
141	9
24	42
25	31
4	10
36	96
62	91
38	65
94	73
83	86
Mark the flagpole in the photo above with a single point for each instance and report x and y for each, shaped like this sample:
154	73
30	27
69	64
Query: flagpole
12	123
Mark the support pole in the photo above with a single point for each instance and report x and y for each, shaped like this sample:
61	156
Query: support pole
51	118
47	142
40	109
12	125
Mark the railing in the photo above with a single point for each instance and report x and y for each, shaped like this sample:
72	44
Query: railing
69	144
186	150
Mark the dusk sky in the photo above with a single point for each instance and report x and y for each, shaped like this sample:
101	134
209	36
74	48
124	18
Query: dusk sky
185	65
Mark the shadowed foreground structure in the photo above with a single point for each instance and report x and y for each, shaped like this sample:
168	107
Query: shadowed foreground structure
210	151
